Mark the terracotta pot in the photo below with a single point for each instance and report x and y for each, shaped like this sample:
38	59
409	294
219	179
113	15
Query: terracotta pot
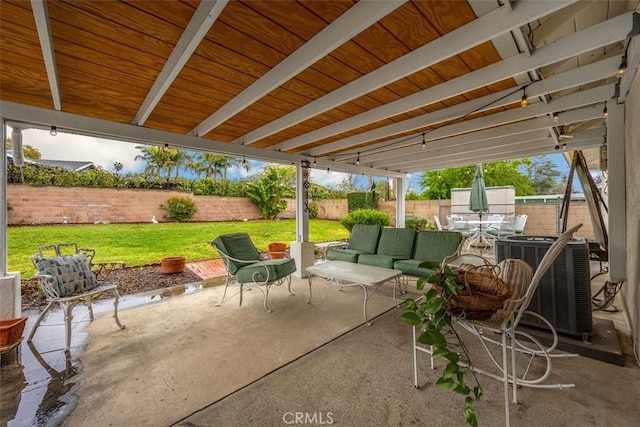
277	247
172	265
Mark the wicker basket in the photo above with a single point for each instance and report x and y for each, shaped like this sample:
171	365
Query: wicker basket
483	294
11	331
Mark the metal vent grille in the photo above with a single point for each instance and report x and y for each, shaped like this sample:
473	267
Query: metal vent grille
563	296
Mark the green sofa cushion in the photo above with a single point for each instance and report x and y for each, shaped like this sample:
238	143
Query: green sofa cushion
267	270
239	246
384	261
396	242
411	267
364	238
340	254
436	245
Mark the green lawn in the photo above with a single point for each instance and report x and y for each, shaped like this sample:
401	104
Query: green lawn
140	244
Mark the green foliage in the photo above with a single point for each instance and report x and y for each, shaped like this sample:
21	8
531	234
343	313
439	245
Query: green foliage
216	187
142	244
544	175
361	200
269	191
418	223
431	315
313	210
365	216
412	195
438	183
180	209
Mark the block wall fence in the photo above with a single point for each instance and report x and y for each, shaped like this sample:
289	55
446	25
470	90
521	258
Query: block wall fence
48	205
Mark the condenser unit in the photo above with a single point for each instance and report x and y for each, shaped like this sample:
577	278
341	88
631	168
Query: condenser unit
563	296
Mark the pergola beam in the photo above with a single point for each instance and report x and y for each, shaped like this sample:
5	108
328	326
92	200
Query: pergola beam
474	33
355	20
608	32
41	15
203	18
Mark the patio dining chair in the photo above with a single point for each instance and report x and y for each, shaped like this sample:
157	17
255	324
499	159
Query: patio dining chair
245	265
510	230
504	324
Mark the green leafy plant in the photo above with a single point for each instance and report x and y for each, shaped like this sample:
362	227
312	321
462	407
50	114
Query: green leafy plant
179	209
313	210
269	191
365	216
432	315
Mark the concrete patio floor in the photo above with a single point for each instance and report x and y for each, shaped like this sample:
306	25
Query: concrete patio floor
356	376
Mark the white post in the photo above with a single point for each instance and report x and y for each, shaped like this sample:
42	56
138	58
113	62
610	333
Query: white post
400	189
302	251
617	191
10	292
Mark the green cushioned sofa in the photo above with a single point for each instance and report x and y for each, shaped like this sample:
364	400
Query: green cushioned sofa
401	249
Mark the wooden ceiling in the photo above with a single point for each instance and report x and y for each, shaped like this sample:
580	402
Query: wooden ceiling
337	81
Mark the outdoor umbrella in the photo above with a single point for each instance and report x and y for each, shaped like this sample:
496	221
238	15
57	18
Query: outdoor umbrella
478	198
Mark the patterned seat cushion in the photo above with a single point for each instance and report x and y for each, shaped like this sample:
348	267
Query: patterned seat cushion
72	273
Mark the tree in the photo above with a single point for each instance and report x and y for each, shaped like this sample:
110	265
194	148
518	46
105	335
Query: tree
544	175
28	150
437	184
271	188
349	183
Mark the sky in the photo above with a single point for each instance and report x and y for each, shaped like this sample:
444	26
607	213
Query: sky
105	153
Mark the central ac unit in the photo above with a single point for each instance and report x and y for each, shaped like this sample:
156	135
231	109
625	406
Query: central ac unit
563	296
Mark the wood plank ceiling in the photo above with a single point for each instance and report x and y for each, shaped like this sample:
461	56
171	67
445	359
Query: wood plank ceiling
383	86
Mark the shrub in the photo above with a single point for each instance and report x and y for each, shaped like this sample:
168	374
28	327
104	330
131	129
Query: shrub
365	216
358	200
417	222
313	210
180	209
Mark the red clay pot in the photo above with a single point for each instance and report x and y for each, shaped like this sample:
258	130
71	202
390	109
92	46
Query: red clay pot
172	265
277	247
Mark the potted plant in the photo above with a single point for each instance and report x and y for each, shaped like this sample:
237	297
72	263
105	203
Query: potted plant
432	314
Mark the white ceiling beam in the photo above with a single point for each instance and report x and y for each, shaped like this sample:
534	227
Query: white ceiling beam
611	31
40	117
515	150
514	130
569	79
498	120
476	32
548	28
203	18
41	15
355	20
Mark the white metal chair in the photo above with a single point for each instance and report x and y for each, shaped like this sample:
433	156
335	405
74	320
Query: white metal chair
438	224
504	323
516	229
68	276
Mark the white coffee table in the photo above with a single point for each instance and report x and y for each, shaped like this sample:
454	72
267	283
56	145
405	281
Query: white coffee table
341	273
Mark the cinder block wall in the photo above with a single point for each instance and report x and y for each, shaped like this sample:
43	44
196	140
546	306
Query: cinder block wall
47	205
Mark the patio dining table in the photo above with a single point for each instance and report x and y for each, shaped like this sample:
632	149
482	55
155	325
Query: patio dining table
480	236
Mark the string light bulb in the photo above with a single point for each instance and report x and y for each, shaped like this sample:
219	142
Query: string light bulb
605	113
53	131
623	68
314	162
358	159
244	162
424	142
524	101
555	117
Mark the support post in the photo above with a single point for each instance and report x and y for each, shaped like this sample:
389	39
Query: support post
302	251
